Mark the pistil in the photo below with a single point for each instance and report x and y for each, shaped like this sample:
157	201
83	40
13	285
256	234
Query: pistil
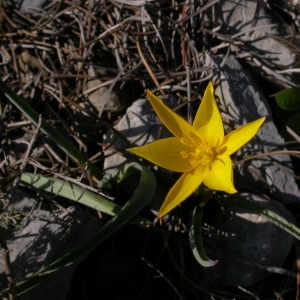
203	153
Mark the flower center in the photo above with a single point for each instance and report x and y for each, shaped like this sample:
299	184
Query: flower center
203	153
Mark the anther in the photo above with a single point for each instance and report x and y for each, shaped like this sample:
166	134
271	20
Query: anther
184	154
187	142
194	163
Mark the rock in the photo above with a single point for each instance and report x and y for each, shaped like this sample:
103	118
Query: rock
44	239
100	97
244	243
238	17
241	101
288	7
20	143
27	4
140	125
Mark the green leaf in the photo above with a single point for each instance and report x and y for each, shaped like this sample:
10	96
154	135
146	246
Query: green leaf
136	203
78	194
125	173
260	210
289	98
105	182
11	213
19	226
195	237
200	191
56	136
4	224
206	197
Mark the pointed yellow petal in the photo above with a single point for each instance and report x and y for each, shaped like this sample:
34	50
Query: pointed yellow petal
218	175
175	123
166	153
239	137
208	122
182	189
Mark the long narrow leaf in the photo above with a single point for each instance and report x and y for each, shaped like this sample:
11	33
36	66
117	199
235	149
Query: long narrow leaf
271	216
76	193
137	202
59	139
195	237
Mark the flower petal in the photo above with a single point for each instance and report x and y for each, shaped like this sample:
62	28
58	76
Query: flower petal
166	153
182	189
175	123
208	122
219	175
239	137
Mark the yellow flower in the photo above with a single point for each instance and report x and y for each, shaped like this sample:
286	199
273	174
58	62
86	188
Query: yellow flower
200	150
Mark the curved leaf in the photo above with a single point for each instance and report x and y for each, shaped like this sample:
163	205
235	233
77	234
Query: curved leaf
260	210
105	182
76	193
195	237
136	203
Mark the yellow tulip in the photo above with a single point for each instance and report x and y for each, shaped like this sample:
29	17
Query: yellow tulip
200	151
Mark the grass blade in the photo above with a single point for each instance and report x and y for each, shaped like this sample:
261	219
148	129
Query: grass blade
78	194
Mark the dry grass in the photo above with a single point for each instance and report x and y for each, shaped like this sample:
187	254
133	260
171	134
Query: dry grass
46	57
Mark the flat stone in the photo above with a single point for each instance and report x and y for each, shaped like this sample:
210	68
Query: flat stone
27	4
100	96
43	240
244	243
237	17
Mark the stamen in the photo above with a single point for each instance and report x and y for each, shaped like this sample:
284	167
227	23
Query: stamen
195	138
201	154
194	154
184	154
187	142
194	163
